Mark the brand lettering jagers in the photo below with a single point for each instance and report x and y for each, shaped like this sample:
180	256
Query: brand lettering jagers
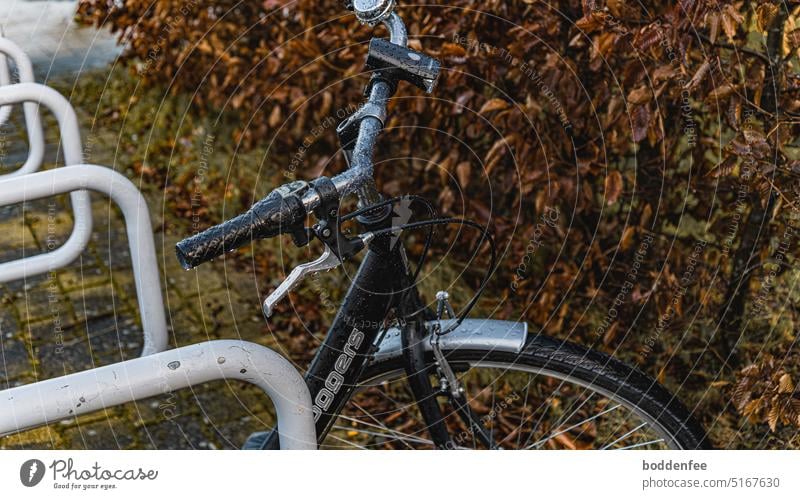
335	380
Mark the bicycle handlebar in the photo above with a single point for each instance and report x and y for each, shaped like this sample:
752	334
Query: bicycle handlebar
276	214
272	216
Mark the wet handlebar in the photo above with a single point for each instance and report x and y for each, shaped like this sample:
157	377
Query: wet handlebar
272	216
280	213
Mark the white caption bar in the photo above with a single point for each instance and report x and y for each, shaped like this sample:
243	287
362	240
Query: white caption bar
398	474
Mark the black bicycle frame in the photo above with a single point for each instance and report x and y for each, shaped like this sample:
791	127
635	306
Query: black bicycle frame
381	283
348	346
335	370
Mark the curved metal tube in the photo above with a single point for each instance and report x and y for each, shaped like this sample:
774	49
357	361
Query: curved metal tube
397	29
5	79
88	391
359	177
137	222
33	120
360	174
81	204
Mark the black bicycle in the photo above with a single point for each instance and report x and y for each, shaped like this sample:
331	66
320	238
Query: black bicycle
394	373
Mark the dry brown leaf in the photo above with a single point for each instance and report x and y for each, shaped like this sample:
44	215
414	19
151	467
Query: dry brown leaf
463	170
611	334
785	384
699	75
495	104
627	238
721	92
773	417
731	19
765	13
640	122
613	187
713	24
275	117
640	95
793	39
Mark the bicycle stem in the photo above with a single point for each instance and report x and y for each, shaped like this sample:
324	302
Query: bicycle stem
359	177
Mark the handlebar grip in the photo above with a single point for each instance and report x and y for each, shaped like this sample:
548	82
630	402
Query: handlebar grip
269	217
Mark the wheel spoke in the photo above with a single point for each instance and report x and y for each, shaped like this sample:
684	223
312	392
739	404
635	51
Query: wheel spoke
524	410
380	425
395	433
579	423
348	442
390	433
623	437
560	421
538	422
530	408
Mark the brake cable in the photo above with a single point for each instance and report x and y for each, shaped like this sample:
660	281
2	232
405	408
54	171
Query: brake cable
455	393
485	236
413	198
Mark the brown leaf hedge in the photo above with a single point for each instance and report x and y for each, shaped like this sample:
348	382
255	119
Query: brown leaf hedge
638	161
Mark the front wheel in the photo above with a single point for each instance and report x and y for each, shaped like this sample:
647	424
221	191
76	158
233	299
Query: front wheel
552	395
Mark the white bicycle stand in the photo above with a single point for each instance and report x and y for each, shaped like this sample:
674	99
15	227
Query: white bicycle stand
156	371
33	120
75	394
71	143
137	223
81	204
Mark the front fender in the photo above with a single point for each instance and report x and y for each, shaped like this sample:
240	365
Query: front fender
472	334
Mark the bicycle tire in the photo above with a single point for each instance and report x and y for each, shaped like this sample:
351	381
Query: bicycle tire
593	370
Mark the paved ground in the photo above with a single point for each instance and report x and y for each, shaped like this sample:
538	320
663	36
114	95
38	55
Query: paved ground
86	315
46	32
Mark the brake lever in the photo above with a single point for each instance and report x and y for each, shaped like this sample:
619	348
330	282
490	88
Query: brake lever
328	261
338	247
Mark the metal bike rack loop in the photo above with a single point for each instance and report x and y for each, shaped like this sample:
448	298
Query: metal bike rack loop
33	120
157	371
55	399
5	79
81	204
137	222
